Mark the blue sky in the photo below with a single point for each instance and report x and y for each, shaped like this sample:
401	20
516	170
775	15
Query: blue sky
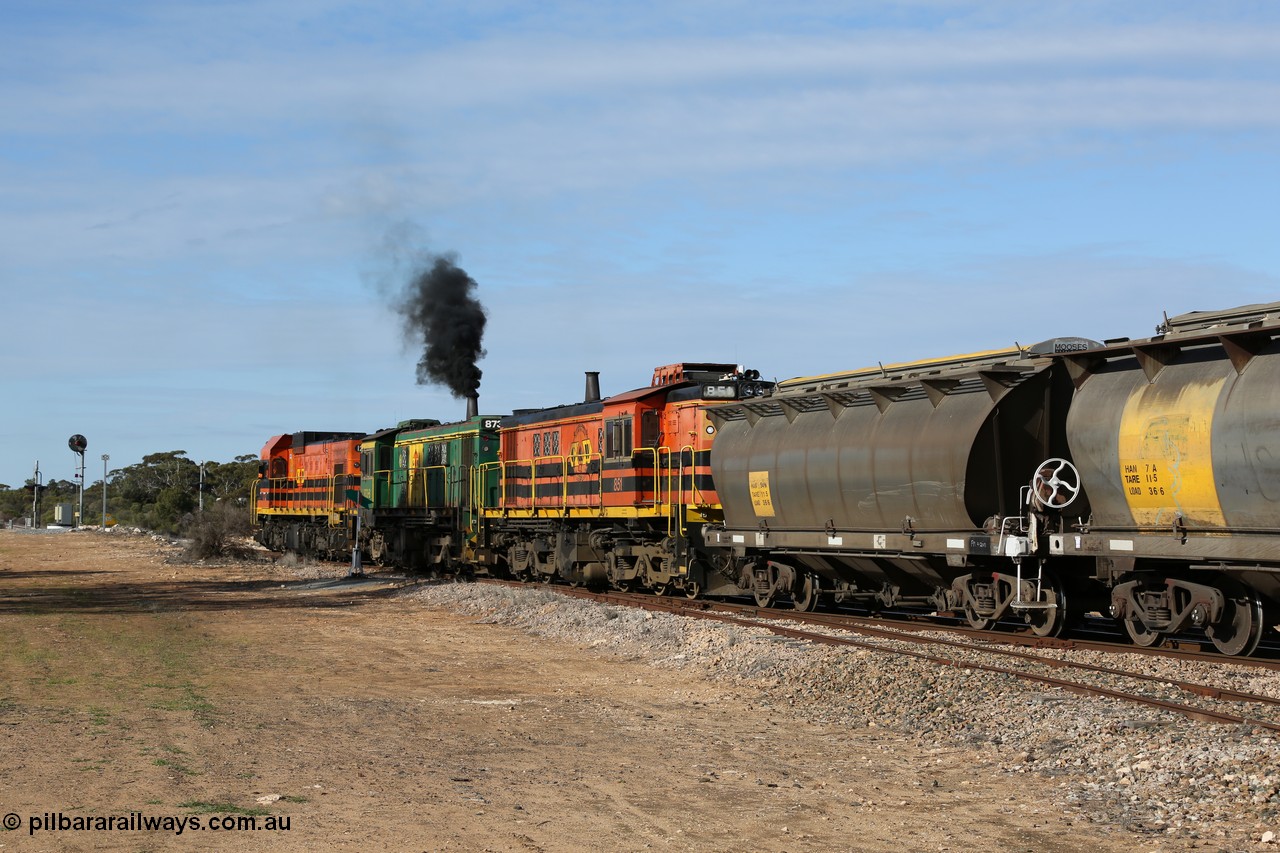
196	196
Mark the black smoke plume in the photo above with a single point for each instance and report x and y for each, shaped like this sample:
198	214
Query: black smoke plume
440	311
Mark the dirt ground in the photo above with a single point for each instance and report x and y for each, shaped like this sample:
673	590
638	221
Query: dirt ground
135	688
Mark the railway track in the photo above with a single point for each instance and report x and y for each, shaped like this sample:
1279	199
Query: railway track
1173	649
1207	703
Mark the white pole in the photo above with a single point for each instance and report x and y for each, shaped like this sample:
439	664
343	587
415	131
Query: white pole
105	457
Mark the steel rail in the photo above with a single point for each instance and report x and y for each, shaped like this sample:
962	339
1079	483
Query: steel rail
1180	650
859	625
701	611
1194	688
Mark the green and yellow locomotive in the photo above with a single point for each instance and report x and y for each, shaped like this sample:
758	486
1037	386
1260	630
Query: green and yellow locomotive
423	486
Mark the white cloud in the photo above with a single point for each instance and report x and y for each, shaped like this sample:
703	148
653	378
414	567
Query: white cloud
801	187
158	89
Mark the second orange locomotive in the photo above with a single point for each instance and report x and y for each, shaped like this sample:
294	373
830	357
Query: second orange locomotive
615	490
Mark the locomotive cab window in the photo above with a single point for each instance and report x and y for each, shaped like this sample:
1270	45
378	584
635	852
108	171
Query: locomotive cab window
435	455
617	438
650	428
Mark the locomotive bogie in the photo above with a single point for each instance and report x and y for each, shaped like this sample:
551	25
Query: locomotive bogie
319	538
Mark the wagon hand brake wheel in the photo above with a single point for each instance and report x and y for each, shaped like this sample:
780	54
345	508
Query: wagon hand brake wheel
1056	484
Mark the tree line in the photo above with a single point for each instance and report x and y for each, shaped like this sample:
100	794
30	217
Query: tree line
159	493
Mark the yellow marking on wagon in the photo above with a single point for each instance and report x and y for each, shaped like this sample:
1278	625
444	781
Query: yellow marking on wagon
1166	455
761	498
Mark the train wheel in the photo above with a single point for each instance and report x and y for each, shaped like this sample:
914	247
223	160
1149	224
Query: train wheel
971	616
692	589
1241	627
764	598
1140	634
805	597
662	589
1050	621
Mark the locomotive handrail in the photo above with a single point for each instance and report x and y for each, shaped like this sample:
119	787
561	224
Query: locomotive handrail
385	475
506	479
693	484
422	473
676	493
285	493
479	476
533	479
336	504
586	458
502	484
599	458
693	471
673	499
566	473
506	476
657	471
564	481
563	476
282	494
462	474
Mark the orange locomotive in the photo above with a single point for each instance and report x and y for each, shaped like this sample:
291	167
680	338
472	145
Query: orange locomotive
307	492
616	491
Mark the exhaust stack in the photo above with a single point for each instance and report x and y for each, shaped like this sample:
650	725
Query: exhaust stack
593	386
473	406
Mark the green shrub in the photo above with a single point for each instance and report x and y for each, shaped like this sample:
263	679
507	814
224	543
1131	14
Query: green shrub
218	531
